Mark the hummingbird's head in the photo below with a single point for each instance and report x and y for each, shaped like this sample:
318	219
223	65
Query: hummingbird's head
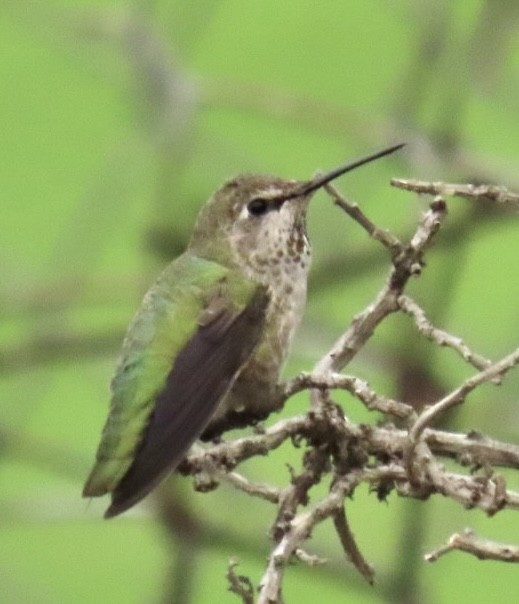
268	233
258	222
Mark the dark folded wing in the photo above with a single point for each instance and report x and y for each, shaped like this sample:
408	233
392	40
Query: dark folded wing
202	373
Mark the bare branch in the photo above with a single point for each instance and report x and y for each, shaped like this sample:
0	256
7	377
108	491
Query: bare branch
355	386
350	546
229	454
483	549
428	476
442	338
388	240
310	559
459	394
299	530
263	491
239	584
405	265
494	193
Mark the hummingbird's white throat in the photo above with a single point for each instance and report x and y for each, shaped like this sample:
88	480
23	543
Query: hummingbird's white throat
273	248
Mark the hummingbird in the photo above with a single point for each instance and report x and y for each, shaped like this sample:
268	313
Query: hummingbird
205	350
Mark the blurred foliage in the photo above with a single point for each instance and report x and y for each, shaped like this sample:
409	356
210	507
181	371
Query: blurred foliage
119	119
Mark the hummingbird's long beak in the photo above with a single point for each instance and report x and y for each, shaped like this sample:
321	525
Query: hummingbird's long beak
323	179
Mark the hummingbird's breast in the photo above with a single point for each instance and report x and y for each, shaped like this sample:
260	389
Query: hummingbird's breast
284	270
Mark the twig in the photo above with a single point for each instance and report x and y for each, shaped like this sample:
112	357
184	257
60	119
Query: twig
355	386
387	239
483	549
239	584
494	193
229	454
315	463
255	489
459	394
350	546
310	559
442	338
299	530
406	264
429	476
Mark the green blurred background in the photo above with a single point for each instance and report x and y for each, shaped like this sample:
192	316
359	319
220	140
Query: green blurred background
118	121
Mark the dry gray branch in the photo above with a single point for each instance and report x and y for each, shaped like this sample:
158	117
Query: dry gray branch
354	385
458	395
351	549
405	265
239	585
386	238
483	549
263	491
310	559
469	449
298	530
493	193
442	338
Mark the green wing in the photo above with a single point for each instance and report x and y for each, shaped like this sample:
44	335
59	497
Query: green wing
195	329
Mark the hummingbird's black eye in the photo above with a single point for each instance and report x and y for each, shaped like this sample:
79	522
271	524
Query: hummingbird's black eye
257	207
